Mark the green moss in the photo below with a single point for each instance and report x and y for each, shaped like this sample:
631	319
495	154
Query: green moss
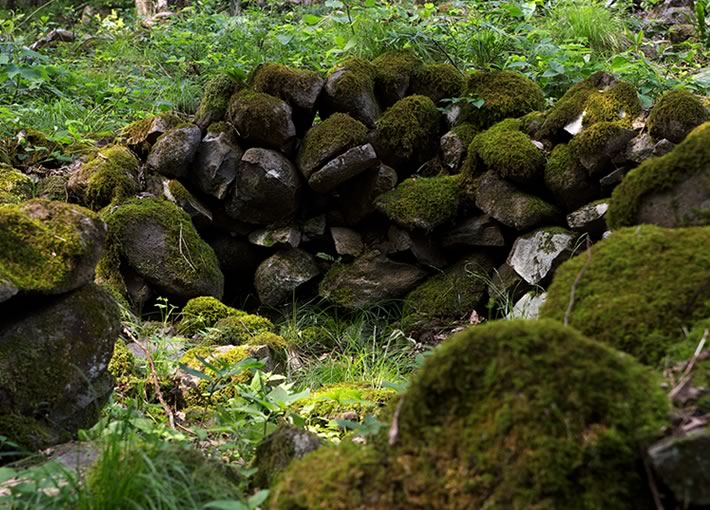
595	138
359	75
675	115
470	435
508	152
40	254
505	94
567	179
138	133
215	100
393	73
256	107
328	139
422	202
452	294
111	175
409	130
205	393
687	159
466	132
15	187
640	287
619	103
335	400
25	433
219	127
204	312
237	329
279	80
437	82
122	363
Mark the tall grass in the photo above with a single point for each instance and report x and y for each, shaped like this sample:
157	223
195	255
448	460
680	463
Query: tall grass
589	21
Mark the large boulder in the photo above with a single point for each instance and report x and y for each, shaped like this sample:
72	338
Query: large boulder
47	247
281	274
262	120
675	115
266	189
637	289
343	168
369	280
350	88
508	415
216	163
53	360
174	151
155	240
670	191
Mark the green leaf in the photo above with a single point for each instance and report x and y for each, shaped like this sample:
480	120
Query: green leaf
310	19
6	474
258	498
195	373
227	504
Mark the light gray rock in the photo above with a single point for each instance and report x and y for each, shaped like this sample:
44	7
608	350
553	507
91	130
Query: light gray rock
173	153
347	241
343	168
528	306
453	150
281	274
589	219
640	148
278	236
216	163
536	255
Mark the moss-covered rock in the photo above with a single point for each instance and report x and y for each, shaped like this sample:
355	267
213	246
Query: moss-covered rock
508	152
285	444
156	240
506	94
568	180
262	120
47	247
239	328
676	363
204	312
600	145
215	100
298	87
422	202
15	187
639	288
393	74
329	139
452	294
437	82
469	432
407	135
454	145
353	401
109	175
174	151
672	190
26	434
350	88
142	134
122	363
618	103
676	114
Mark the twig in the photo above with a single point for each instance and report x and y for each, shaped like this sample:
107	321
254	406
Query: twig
652	482
394	427
24	21
154	379
572	291
687	375
180	241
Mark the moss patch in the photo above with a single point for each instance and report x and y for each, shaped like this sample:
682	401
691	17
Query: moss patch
642	286
15	187
657	174
122	363
239	328
326	140
437	82
215	100
111	175
333	401
203	312
675	115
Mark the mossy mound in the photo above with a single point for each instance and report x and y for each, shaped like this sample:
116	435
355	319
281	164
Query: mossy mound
238	329
350	88
122	363
215	100
203	312
15	187
598	145
675	115
157	240
261	119
452	294
506	94
687	162
469	432
329	139
437	82
48	247
111	175
393	74
508	152
638	290
618	103
568	180
408	132
344	400
422	202
298	87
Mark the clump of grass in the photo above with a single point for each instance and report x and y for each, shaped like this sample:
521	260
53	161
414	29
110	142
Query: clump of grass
589	21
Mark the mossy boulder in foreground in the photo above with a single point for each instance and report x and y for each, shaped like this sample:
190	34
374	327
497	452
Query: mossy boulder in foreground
637	289
512	415
670	191
47	247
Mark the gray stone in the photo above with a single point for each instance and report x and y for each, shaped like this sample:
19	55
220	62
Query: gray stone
528	306
343	168
215	166
347	241
453	150
280	275
358	201
613	153
140	140
180	196
53	361
536	255
369	280
663	147
683	464
685	203
513	208
477	231
349	92
279	449
263	120
173	153
589	219
424	248
313	228
640	148
611	180
278	236
265	190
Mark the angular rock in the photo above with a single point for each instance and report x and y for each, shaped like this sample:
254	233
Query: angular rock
684	465
314	228
528	306
215	100
601	146
266	188
369	280
343	168
173	153
215	166
142	134
262	120
589	219
47	247
513	208
477	231
53	361
281	274
276	452
279	236
358	201
347	241
663	147
350	89
640	148
180	196
536	255
453	148
568	180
